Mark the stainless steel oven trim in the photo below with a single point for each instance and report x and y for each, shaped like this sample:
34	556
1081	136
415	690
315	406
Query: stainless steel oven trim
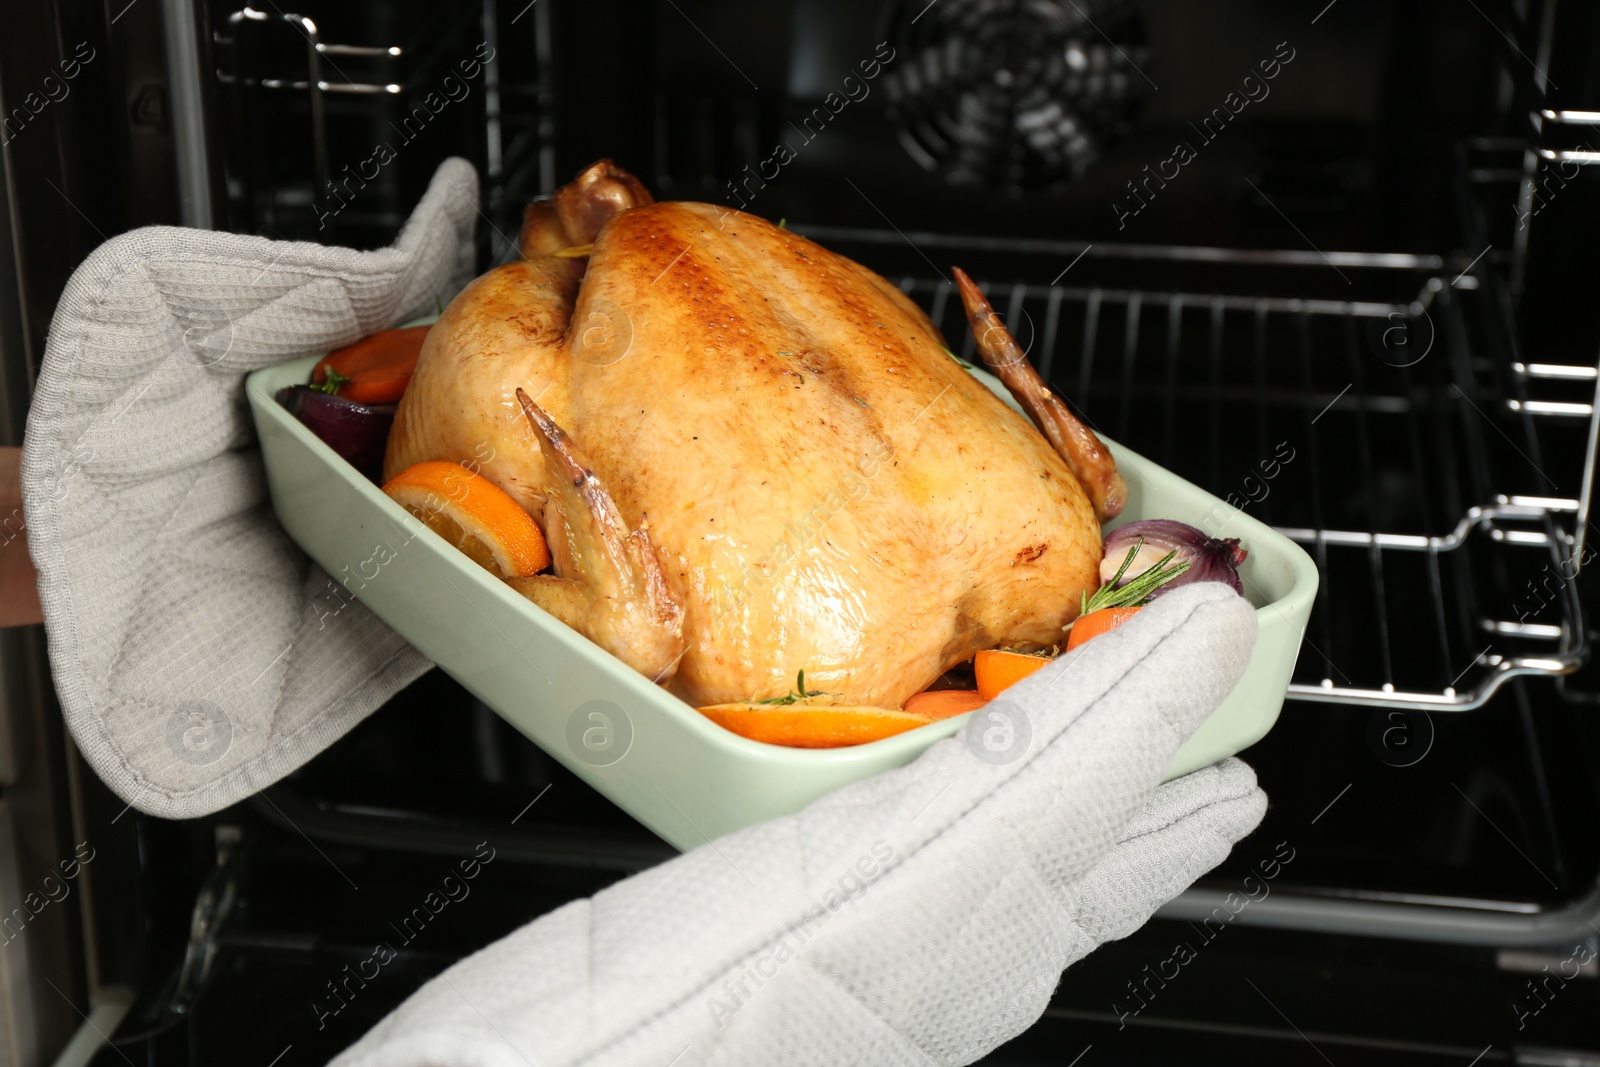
1454	924
187	94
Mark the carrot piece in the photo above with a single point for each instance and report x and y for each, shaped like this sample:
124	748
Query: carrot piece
474	514
999	670
378	368
945	703
812	725
1098	622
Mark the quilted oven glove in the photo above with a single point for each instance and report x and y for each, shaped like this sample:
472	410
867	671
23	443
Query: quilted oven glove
194	656
919	917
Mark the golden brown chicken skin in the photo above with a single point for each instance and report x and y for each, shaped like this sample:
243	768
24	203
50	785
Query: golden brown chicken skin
751	456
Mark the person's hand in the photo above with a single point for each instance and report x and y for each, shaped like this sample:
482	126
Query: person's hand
922	916
197	653
19	584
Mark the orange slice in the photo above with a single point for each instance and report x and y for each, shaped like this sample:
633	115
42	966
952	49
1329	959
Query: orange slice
945	703
1098	622
999	670
812	725
473	514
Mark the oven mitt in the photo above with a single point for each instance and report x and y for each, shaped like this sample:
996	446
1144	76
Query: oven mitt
919	917
199	655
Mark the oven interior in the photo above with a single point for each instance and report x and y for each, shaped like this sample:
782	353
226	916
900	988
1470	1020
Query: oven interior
1360	309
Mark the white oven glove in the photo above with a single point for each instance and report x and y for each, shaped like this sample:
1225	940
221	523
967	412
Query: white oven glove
195	649
919	917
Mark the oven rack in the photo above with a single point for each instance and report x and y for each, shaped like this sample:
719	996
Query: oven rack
288	89
1389	432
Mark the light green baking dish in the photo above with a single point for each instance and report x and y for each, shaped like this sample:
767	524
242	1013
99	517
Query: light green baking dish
656	757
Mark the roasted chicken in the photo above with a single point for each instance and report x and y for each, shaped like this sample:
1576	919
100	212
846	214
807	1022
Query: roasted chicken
751	456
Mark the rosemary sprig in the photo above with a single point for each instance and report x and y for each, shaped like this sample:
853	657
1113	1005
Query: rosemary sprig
1137	589
800	693
1041	653
333	383
958	359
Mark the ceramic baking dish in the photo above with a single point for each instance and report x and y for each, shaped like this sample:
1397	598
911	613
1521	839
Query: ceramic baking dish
656	757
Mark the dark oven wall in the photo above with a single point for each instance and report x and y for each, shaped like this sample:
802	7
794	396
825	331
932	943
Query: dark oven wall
1016	119
1178	124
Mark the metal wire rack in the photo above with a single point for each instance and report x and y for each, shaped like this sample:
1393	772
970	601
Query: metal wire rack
1387	433
1373	407
306	115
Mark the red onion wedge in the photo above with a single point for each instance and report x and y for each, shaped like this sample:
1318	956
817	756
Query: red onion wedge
358	432
1209	559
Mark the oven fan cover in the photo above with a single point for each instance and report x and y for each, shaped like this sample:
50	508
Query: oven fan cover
1016	95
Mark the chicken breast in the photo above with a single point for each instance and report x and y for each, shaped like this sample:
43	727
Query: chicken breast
752	456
